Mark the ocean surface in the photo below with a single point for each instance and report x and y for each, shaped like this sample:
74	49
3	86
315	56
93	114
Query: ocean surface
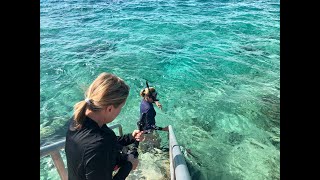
214	63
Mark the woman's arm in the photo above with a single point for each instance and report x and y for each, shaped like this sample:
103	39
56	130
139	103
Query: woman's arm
158	104
127	139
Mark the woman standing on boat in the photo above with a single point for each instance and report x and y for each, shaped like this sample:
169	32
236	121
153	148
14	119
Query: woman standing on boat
92	149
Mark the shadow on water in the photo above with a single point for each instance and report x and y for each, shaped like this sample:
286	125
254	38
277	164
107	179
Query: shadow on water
208	174
169	48
97	48
199	122
235	138
100	47
271	109
268	117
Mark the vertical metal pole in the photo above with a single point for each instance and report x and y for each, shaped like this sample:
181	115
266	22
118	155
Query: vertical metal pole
170	153
181	171
58	162
120	130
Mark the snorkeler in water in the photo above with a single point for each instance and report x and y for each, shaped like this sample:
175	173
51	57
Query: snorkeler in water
147	121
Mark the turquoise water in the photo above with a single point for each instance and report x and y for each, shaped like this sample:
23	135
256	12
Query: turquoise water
215	64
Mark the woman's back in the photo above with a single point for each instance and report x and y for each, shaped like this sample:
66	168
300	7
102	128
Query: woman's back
84	144
150	114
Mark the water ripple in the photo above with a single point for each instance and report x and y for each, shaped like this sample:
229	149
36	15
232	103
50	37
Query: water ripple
216	65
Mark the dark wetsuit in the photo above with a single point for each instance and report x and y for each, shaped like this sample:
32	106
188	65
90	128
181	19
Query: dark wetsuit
93	152
147	116
147	121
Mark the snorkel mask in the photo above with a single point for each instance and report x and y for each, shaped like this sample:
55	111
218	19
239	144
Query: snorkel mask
153	97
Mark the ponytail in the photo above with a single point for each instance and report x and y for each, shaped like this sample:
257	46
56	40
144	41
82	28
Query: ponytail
142	93
79	113
107	89
145	91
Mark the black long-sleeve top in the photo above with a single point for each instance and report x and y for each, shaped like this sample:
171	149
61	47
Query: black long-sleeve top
147	115
147	109
93	152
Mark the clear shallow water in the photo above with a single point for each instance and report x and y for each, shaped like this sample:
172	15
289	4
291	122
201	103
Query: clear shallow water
216	65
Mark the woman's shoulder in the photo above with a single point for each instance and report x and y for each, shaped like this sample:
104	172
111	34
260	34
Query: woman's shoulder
145	105
101	138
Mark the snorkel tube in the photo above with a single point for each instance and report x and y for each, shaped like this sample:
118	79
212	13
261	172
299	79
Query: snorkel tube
150	94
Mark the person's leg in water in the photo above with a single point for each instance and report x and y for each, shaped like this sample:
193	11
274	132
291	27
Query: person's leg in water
140	145
134	150
155	140
124	170
135	146
151	141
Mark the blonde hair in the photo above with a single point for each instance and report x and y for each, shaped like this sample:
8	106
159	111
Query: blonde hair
107	89
145	91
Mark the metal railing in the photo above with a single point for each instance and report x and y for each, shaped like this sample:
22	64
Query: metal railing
53	151
178	166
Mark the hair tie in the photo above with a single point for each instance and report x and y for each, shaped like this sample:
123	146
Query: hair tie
87	100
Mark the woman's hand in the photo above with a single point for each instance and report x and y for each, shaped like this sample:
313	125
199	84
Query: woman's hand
158	104
133	161
138	135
